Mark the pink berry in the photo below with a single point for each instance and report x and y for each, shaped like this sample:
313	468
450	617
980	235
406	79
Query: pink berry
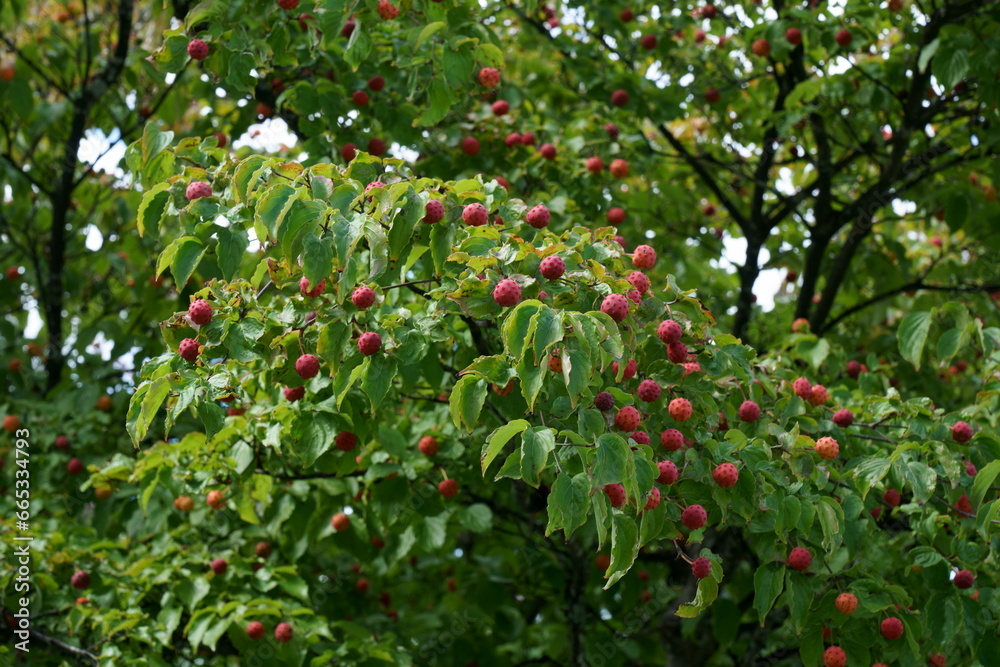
307	366
197	190
615	306
595	165
677	352
669	331
552	267
200	312
548	151
304	287
387	10
501	108
363	296
434	211
627	419
648	391
475	215
80	580
680	409
843	418
640	437
818	395
255	630
802	388
643	257
726	475
961	432
470	146
616	494
369	343
749	411
619	98
834	656
672	439
197	49
507	293
701	568
694	517
892	628
75	466
293	394
448	488
219	566
489	77
283	633
616	215
188	349
640	281
653	499
668	472
512	139
827	448
799	559
630	369
538	217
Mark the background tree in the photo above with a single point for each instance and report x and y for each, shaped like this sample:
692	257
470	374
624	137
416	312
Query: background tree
397	399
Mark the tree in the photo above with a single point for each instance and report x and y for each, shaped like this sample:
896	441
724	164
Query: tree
432	411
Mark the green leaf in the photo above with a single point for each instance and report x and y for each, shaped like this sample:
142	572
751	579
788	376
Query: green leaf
314	437
233	244
624	547
273	206
438	104
614	464
708	591
536	445
949	67
144	405
912	335
152	207
182	256
768	582
377	377
428	30
927	53
498	439
831	520
568	503
477	517
982	482
358	47
466	401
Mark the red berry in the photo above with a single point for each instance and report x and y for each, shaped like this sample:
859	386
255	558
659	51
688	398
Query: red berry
626	15
892	628
348	151
668	472
846	603
680	409
80	580
793	36
307	366
677	352
612	131
749	411
548	151
843	418
500	108
800	559
616	494
648	391
648	42
470	146
961	432
802	388
619	168
761	47
694	517
964	579
475	215
891	498
528	138
640	437
200	312
827	448
387	10
188	349
672	439
428	445
653	499
489	77
818	395
619	98
197	49
552	267
615	306
616	215
360	98
507	293
844	37
604	401
361	585
369	343
595	165
643	257
726	475
376	83
75	466
283	632
630	369
304	287
669	331
294	393
640	281
197	190
434	211
970	468
937	660
288	4
853	369
701	568
345	441
219	566
963	504
512	139
627	419
448	488
712	96
62	443
255	630
376	147
834	656
340	522
538	217
363	296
